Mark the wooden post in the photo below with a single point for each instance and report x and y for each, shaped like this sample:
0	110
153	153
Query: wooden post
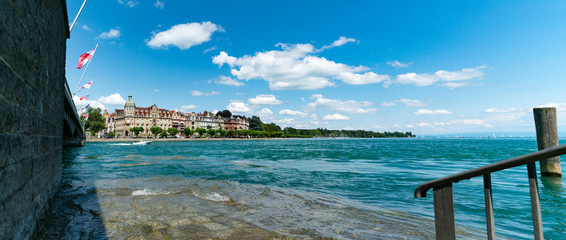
490	222
535	201
547	136
444	212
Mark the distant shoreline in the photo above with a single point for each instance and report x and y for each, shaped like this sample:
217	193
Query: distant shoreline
174	139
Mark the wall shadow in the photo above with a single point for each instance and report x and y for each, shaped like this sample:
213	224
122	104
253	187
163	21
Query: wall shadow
75	212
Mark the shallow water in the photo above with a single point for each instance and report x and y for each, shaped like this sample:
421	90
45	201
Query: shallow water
291	189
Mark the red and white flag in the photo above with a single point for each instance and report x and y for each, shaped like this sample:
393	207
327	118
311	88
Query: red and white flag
85	97
85	57
85	86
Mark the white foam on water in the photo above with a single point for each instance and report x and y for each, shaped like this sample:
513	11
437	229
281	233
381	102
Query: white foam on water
121	144
147	192
215	197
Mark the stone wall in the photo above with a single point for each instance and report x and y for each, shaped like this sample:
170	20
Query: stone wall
33	37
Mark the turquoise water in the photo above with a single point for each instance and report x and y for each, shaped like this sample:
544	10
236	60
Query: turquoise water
304	188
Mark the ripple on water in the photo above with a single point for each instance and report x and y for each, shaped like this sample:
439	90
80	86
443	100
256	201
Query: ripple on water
165	207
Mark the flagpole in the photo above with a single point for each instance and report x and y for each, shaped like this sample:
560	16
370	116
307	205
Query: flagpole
90	60
79	13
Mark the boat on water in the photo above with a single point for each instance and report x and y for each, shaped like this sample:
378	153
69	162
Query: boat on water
142	142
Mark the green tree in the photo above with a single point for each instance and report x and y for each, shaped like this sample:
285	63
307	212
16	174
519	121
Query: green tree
232	133
111	134
163	134
256	124
156	130
136	130
212	132
271	127
225	114
173	131
200	131
188	132
95	121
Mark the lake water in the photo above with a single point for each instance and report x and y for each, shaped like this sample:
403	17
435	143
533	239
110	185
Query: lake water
291	189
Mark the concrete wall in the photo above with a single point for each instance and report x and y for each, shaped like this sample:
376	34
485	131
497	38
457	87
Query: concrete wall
33	37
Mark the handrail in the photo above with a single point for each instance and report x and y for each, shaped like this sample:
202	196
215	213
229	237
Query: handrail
443	194
421	190
70	100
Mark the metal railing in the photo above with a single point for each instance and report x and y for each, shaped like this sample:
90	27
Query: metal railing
443	199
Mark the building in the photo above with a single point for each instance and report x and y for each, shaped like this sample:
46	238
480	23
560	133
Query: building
132	116
122	120
236	123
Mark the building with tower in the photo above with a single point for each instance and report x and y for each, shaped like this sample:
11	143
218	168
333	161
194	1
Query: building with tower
122	120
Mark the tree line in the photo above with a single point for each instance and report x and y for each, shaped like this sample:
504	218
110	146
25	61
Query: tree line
257	129
289	132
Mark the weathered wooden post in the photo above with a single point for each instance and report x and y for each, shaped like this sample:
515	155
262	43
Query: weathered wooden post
547	136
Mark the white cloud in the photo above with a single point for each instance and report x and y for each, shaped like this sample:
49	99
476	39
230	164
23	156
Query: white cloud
228	81
266	114
432	112
398	64
293	67
505	114
407	102
114	99
560	107
341	41
285	121
317	123
501	110
290	112
349	106
159	4
446	79
85	27
335	116
412	102
156	90
82	104
239	107
223	58
314	116
475	122
209	49
199	93
113	33
264	99
130	3
184	36
454	125
358	79
187	108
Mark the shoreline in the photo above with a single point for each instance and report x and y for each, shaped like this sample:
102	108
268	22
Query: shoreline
174	139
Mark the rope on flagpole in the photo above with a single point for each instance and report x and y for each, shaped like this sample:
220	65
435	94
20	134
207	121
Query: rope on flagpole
79	13
90	60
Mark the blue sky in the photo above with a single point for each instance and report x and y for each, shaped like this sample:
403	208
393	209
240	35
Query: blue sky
434	67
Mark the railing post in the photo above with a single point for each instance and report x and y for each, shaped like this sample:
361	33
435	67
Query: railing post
547	137
444	212
535	202
490	222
